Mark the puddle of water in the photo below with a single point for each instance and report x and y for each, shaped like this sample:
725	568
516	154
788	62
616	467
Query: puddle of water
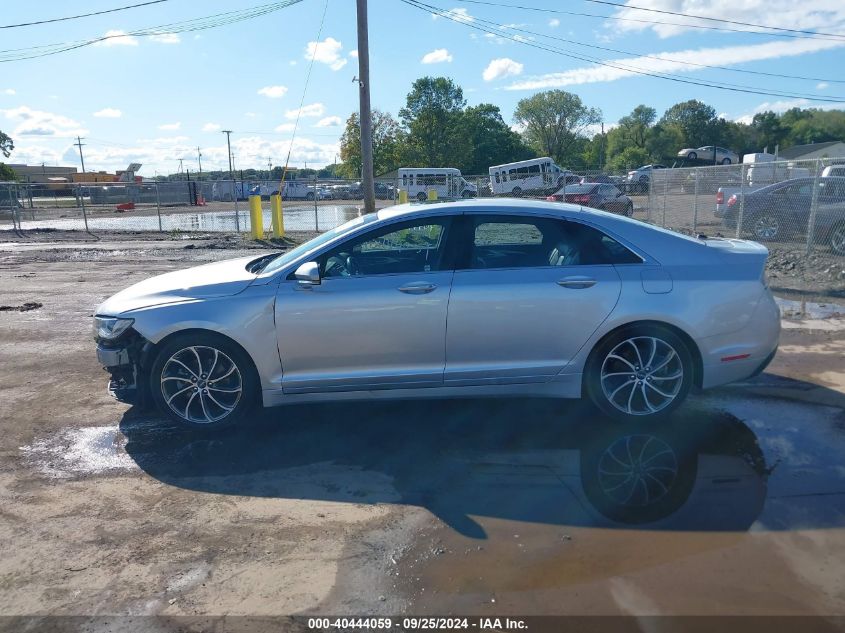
790	309
90	450
297	218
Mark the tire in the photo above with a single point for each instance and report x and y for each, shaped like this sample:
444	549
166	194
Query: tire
181	361
692	156
638	477
726	161
766	227
466	194
607	378
309	196
837	239
629	210
422	197
516	191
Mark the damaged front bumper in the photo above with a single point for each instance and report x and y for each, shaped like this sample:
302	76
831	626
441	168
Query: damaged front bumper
123	360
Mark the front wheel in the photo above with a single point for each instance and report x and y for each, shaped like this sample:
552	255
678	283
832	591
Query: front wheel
837	240
766	227
309	196
641	372
726	161
422	197
692	156
204	382
629	210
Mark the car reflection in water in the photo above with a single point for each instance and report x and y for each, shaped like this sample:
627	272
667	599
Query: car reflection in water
522	460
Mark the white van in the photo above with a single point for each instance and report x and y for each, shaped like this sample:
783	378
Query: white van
536	174
446	181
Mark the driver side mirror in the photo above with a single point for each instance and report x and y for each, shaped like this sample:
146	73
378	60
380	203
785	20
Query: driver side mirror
308	274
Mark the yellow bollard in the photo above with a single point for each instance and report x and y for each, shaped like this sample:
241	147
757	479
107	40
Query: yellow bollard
276	216
256	218
403	196
432	194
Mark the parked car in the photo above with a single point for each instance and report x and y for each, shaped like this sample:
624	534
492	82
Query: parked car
532	292
710	153
596	196
639	178
382	191
602	178
782	210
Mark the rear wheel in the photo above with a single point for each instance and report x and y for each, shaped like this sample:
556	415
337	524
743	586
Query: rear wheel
726	161
629	210
204	382
516	191
421	196
309	195
766	227
641	372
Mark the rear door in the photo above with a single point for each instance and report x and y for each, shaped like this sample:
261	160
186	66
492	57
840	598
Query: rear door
526	296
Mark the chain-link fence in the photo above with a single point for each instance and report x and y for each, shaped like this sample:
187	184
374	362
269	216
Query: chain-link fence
786	204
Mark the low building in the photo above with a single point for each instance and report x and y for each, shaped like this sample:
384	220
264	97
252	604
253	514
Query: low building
830	149
46	174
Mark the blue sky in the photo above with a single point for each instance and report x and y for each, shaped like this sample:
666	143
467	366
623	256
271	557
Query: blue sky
156	99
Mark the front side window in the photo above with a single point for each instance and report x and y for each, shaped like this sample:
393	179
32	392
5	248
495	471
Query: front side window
528	242
409	247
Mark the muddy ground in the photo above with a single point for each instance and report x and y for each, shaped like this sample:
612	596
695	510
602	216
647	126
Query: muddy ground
473	507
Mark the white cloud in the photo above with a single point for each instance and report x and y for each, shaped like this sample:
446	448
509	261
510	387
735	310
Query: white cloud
326	52
312	110
251	115
459	15
437	56
273	92
503	67
9	91
166	38
108	113
329	121
285	127
822	15
822	85
675	62
211	127
170	126
354	53
554	23
782	106
292	62
40	123
116	37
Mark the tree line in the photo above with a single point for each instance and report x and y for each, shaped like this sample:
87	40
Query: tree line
436	128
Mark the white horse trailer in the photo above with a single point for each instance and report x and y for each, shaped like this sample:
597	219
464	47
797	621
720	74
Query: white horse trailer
536	174
446	181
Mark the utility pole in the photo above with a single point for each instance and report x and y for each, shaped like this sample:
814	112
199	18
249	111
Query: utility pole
269	167
180	165
199	160
79	144
364	115
229	147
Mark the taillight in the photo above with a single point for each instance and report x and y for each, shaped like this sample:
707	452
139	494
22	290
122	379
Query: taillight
551	199
720	197
732	200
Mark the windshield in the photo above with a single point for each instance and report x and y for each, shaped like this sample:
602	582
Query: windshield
291	255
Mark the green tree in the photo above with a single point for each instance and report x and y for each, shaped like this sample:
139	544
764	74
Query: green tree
484	139
697	123
554	121
387	145
768	130
6	144
7	173
629	158
431	116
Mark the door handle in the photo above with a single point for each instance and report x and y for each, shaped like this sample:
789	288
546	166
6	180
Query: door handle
417	288
576	282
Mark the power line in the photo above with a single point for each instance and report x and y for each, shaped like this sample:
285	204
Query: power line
643	21
701	17
195	24
83	15
720	85
658	57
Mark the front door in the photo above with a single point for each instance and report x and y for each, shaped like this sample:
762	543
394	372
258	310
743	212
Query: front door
529	294
377	320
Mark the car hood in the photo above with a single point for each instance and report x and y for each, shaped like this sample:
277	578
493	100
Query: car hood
220	279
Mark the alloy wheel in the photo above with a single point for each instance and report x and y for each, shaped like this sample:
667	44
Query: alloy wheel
637	470
766	227
642	375
201	384
837	239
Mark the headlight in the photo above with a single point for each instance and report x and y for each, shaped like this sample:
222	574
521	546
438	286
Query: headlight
109	328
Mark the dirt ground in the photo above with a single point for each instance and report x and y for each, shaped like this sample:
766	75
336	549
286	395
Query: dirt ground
472	507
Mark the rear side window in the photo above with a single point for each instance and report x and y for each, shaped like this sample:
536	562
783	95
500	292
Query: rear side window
506	233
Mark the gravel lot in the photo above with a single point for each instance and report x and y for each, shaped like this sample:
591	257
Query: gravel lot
422	507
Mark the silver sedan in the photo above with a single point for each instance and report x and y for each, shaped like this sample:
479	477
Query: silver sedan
473	298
